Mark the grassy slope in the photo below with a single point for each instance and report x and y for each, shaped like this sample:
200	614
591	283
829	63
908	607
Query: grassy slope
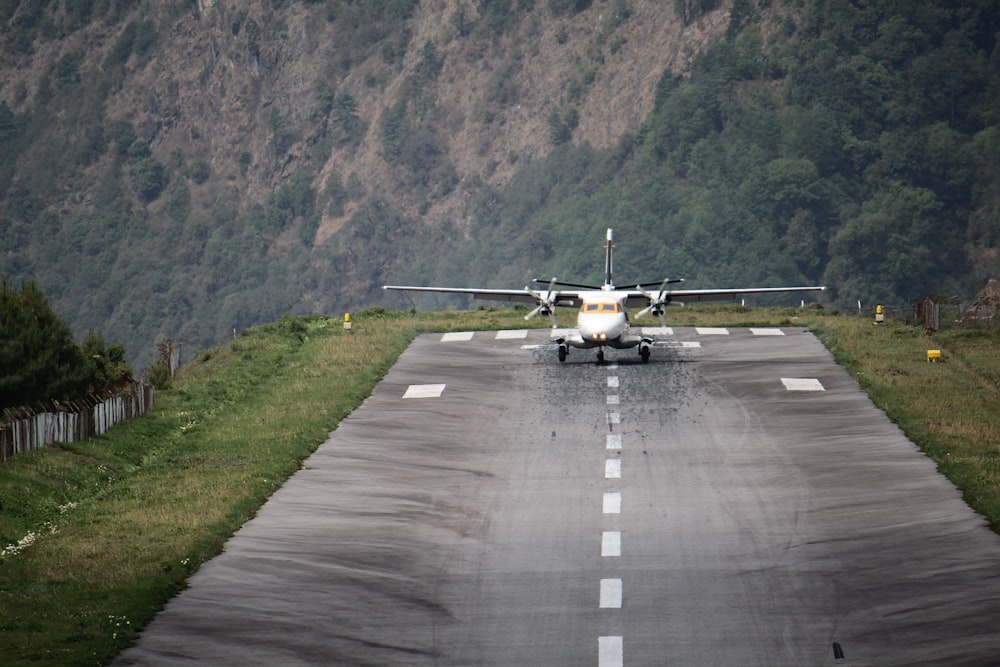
122	520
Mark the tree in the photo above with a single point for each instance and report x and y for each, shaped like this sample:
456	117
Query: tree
38	359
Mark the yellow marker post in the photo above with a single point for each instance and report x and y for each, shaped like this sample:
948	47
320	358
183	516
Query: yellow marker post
347	321
879	315
933	355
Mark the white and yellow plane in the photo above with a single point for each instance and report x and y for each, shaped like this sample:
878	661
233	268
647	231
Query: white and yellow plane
603	320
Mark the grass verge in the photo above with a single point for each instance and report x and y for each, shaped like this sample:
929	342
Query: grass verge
99	535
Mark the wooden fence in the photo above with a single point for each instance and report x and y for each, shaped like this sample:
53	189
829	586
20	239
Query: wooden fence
27	430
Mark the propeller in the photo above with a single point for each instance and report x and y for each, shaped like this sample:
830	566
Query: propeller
546	302
657	302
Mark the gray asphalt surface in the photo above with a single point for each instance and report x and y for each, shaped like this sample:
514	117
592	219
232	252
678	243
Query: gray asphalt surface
755	525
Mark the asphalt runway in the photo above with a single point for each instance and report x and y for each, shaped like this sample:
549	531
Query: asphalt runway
736	501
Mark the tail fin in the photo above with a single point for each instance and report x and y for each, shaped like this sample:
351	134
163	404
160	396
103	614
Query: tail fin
608	284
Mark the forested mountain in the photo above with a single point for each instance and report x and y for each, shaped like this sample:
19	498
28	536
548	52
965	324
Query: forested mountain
182	169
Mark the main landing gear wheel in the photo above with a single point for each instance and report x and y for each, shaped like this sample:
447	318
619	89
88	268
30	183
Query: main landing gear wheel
600	356
644	353
562	352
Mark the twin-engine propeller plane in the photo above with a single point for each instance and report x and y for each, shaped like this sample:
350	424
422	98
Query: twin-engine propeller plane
603	320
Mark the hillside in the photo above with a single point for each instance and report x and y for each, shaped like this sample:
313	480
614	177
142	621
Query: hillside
183	169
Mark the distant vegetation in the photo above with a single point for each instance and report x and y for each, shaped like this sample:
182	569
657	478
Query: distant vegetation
855	144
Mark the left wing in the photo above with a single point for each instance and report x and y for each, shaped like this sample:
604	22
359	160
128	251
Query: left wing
556	297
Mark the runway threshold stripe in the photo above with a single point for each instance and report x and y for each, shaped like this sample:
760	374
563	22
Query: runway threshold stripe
613	469
614	441
767	332
613	381
508	334
802	384
614	418
712	331
613	399
610	652
611	593
611	544
456	335
424	391
612	503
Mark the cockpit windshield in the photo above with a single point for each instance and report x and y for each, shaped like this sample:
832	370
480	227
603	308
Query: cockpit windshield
591	308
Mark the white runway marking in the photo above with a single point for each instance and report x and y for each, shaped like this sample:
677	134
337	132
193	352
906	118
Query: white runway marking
610	652
613	503
767	332
508	334
561	333
612	380
424	391
657	331
802	384
613	469
456	335
613	399
611	593
614	441
611	544
614	418
712	331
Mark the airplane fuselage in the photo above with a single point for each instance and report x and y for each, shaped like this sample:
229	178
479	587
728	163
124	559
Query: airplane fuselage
602	321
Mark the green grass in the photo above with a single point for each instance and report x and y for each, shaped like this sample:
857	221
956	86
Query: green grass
120	522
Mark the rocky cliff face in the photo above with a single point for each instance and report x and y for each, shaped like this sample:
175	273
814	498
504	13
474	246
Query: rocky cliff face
225	72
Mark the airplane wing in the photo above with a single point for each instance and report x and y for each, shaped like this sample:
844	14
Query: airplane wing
638	297
570	298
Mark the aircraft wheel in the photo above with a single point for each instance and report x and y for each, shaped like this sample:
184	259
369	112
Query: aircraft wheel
562	353
644	353
600	356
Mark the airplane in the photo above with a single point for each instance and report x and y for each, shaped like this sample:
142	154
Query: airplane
603	319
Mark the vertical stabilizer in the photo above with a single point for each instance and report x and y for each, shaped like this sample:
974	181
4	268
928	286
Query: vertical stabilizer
608	283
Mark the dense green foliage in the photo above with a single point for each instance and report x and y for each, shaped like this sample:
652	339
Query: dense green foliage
39	361
852	143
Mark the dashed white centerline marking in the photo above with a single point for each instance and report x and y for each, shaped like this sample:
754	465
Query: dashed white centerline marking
613	469
456	335
560	333
424	391
614	418
612	503
614	441
657	331
712	331
613	399
802	384
507	334
767	332
611	544
611	593
613	381
610	652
